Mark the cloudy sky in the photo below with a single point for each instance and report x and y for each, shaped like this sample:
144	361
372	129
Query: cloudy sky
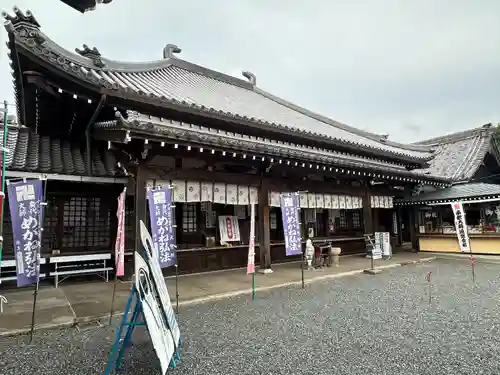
414	69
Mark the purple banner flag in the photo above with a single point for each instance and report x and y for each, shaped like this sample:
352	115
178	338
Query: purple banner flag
160	214
26	215
291	223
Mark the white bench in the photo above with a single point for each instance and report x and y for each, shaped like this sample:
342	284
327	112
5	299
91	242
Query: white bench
72	265
8	268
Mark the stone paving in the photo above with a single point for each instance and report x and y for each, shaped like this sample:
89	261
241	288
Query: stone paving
72	303
360	324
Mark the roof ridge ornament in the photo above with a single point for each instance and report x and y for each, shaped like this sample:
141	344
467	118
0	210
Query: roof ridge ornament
20	17
250	76
170	50
92	54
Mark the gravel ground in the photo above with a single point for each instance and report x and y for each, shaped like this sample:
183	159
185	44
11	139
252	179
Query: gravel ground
362	324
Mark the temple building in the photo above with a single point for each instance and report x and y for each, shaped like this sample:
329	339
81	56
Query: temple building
92	125
470	160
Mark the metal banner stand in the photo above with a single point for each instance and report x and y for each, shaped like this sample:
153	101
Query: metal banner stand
174	231
40	228
117	260
115	357
4	156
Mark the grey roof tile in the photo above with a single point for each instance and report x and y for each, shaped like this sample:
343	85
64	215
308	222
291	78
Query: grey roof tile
33	153
172	81
33	157
21	151
458	156
458	192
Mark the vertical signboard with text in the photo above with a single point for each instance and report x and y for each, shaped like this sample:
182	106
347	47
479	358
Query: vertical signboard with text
461	227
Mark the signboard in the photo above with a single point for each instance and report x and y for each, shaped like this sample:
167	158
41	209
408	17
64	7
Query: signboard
120	235
251	242
291	223
26	214
161	336
383	242
461	227
159	283
160	214
229	228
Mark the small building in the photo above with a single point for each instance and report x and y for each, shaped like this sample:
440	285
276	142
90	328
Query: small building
92	125
471	161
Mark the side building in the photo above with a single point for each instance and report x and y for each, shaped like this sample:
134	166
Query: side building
470	160
222	142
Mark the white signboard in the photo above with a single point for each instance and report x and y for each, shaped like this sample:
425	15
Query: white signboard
161	336
461	226
159	283
383	242
251	242
229	228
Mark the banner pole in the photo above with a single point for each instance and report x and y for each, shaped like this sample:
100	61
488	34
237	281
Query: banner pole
303	260
4	155
40	225
174	232
253	286
118	253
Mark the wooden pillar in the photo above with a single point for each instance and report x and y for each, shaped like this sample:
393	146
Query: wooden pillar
413	227
264	230
399	227
367	210
140	203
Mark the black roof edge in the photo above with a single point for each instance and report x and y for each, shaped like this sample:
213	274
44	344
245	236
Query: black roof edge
123	124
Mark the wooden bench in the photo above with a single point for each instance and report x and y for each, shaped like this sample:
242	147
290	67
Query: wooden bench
8	270
73	265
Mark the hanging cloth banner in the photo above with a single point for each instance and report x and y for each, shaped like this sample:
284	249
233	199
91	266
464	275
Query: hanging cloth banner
161	218
120	236
291	224
251	242
26	214
461	227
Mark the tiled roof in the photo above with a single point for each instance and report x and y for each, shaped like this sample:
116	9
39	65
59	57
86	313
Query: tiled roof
457	192
146	126
29	152
85	5
175	83
459	155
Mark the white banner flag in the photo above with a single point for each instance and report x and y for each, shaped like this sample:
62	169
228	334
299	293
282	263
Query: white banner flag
461	227
251	242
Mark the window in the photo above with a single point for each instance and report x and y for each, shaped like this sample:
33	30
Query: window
342	219
189	218
356	219
85	223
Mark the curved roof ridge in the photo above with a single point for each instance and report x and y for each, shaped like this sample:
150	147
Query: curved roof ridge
485	130
382	138
81	56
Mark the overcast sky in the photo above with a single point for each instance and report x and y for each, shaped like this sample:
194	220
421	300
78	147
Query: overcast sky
414	68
